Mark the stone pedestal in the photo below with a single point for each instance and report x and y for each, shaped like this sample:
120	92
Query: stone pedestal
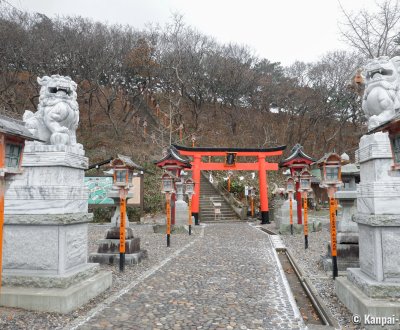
282	219
374	288
108	250
45	233
181	207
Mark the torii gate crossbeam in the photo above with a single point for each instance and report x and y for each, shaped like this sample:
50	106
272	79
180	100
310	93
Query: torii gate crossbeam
260	165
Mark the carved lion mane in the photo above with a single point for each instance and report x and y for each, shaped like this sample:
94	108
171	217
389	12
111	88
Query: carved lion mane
57	117
382	93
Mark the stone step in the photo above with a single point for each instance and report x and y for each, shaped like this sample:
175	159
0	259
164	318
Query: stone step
212	211
209	194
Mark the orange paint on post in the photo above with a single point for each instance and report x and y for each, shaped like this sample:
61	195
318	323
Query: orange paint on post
168	216
305	216
122	224
332	212
190	211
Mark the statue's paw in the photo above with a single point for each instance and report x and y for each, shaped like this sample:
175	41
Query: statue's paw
63	129
373	122
59	138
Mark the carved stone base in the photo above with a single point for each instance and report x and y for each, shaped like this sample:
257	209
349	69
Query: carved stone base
60	300
379	238
367	308
282	215
108	250
45	244
347	257
373	288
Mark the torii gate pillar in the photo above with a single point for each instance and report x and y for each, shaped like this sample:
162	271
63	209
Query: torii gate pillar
262	174
196	196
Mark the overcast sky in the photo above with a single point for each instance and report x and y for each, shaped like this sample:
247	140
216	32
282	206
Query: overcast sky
279	30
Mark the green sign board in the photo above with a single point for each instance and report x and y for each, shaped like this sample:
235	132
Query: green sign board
98	187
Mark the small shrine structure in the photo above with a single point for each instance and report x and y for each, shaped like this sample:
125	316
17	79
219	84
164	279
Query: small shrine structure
296	163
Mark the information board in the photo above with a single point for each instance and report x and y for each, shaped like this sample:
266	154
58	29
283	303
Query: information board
98	187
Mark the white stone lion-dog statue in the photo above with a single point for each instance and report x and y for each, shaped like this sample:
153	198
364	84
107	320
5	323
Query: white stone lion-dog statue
57	117
381	100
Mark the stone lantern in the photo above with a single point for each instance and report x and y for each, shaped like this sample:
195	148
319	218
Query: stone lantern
290	186
173	163
296	162
347	230
290	189
120	245
305	188
167	184
330	167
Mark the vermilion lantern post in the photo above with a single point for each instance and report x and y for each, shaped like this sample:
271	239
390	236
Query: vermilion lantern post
330	167
252	195
290	189
304	188
167	188
123	173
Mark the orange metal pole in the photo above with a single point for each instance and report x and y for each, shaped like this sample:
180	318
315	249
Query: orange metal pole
229	184
305	220
196	196
262	175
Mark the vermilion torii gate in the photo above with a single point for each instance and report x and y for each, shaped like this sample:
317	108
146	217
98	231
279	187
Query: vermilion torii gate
260	165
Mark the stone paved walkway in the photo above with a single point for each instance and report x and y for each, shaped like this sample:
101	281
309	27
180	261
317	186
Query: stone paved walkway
228	278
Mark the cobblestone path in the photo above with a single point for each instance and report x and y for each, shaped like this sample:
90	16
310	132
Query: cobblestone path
228	279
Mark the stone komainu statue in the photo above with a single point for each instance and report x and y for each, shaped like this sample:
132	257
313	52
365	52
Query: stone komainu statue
381	100
57	117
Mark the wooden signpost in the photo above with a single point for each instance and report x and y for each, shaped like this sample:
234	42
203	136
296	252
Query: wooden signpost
305	220
291	212
168	197
122	230
332	218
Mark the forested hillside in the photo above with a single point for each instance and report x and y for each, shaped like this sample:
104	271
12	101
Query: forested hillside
174	76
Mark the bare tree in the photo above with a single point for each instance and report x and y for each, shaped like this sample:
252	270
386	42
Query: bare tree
373	34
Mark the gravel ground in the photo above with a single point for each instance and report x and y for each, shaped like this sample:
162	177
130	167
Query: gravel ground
155	244
309	260
216	283
311	265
